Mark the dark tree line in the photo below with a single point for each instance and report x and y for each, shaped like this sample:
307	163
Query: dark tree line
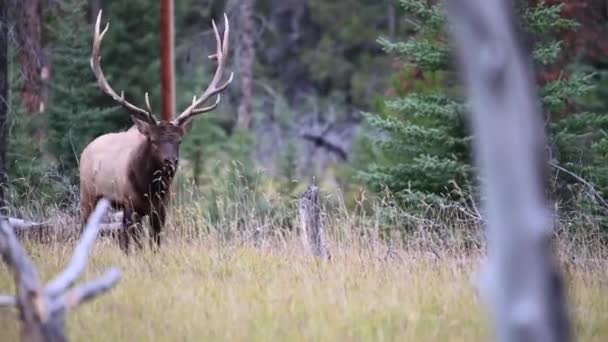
311	80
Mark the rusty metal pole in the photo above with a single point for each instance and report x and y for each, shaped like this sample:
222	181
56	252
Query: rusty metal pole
4	93
167	59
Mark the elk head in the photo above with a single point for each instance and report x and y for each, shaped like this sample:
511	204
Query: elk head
164	137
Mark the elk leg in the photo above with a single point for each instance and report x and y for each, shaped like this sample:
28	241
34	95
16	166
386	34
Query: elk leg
157	221
136	230
125	235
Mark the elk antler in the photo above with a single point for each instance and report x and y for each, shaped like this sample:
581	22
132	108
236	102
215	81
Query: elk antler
139	113
213	88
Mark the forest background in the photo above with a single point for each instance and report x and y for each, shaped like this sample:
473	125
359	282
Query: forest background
359	97
356	96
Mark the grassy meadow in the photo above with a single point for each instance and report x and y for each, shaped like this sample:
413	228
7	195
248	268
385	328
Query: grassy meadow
217	279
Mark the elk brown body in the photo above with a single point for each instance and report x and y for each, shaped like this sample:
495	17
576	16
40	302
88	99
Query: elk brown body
134	169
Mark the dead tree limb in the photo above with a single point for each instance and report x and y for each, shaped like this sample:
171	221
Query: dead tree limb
7	301
19	224
590	188
42	309
312	231
321	141
520	280
50	230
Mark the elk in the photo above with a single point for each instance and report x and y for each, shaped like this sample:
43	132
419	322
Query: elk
134	169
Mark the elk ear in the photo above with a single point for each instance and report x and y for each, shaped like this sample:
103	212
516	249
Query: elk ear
142	126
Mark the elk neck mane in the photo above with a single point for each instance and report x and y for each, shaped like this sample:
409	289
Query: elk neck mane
148	176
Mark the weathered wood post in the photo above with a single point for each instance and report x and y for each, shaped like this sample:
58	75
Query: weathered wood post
521	281
41	308
312	230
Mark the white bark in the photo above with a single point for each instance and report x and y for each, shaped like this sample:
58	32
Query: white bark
42	309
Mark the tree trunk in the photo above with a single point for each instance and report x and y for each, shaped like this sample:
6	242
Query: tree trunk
3	103
167	59
245	110
312	230
30	57
391	16
521	281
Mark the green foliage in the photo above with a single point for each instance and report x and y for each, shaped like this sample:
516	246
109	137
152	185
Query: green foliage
131	51
417	141
547	53
33	178
340	58
419	137
74	114
543	19
583	146
429	55
289	169
558	94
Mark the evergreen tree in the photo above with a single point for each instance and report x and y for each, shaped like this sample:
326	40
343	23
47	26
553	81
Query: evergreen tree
131	52
419	141
33	178
75	115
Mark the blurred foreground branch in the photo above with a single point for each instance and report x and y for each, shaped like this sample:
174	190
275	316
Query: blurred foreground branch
42	309
521	281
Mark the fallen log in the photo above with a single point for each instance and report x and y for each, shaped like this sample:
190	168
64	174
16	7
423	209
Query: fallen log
50	230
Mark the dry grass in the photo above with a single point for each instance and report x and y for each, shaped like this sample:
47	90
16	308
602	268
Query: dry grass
209	289
213	281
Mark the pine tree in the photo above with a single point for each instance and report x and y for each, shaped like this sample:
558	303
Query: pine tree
131	51
75	115
418	140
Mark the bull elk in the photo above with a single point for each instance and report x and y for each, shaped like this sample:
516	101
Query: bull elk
134	169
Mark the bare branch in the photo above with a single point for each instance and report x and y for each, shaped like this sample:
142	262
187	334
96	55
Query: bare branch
110	227
42	313
16	259
321	141
81	254
6	300
521	282
22	224
581	180
88	291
